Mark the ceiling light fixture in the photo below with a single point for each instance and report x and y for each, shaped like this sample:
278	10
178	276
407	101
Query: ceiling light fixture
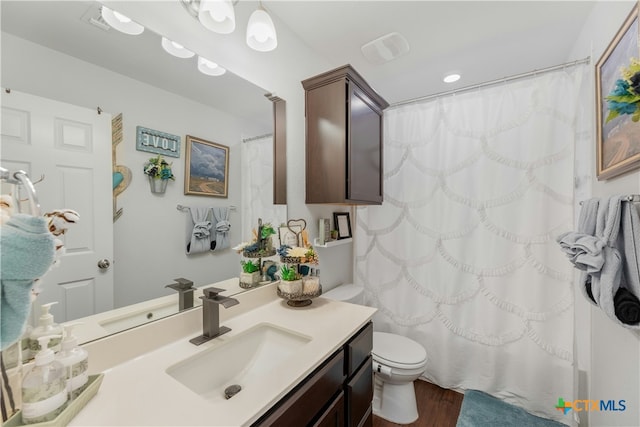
176	49
451	78
209	68
261	33
217	16
120	22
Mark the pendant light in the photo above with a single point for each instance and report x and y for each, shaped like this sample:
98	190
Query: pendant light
176	49
261	33
209	68
120	22
217	15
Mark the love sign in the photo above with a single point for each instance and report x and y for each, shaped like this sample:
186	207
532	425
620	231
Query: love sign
157	142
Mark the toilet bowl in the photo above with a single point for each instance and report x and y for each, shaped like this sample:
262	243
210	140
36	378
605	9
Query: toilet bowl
397	362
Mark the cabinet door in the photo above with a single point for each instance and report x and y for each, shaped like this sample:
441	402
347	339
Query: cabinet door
360	395
333	416
302	405
364	168
326	143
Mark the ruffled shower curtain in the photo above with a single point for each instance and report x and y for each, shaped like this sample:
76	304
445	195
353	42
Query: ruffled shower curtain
257	187
461	256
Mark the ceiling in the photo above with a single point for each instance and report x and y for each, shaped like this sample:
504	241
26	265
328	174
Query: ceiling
65	26
481	40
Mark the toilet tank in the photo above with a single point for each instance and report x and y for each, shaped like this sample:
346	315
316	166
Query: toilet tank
348	293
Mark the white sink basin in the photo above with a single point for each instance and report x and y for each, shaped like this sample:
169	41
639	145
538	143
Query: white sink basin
240	360
124	321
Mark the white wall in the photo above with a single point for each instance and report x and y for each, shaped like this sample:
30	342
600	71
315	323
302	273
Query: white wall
280	72
608	355
150	235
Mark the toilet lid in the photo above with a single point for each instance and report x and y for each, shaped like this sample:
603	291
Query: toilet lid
344	292
397	351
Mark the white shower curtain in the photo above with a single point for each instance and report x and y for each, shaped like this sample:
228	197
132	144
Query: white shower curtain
461	256
257	187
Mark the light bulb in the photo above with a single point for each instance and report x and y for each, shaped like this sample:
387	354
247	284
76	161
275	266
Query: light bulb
120	22
261	33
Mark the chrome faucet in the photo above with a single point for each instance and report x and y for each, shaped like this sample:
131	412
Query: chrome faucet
211	302
185	292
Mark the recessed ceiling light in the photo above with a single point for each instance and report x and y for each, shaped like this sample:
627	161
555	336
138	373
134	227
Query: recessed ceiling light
450	78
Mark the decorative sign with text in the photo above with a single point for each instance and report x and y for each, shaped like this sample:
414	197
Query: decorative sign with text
157	142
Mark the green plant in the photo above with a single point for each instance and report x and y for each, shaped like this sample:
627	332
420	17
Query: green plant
158	168
288	273
267	230
250	266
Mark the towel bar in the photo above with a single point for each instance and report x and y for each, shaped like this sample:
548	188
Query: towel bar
634	198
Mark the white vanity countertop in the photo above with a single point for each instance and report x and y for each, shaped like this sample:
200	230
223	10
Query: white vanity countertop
140	392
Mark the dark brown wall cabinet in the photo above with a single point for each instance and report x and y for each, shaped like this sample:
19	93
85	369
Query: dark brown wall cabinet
337	394
344	139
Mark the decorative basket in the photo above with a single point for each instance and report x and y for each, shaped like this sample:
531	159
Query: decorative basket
69	412
295	260
264	253
300	299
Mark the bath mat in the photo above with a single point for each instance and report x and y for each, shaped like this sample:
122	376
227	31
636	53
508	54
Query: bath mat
482	410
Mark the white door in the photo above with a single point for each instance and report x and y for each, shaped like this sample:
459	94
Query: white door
71	147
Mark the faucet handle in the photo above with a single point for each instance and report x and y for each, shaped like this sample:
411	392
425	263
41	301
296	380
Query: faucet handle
184	283
212	292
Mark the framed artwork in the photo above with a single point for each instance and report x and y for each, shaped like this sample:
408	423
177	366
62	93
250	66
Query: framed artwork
207	168
342	223
290	235
618	136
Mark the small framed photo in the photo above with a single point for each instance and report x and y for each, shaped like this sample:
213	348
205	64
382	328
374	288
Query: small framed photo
290	235
207	168
342	223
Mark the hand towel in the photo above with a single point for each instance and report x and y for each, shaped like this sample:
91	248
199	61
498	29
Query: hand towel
26	253
627	307
198	230
618	283
222	226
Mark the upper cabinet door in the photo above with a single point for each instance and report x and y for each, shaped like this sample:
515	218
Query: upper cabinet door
364	177
343	139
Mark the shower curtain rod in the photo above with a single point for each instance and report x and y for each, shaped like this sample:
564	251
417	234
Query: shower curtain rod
254	138
493	82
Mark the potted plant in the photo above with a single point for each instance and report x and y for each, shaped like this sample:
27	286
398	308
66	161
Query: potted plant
290	280
250	273
159	172
265	237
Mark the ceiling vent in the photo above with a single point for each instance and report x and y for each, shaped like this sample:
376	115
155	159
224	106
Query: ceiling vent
385	48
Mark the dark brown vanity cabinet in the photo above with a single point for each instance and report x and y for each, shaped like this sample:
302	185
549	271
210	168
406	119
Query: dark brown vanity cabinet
337	394
343	139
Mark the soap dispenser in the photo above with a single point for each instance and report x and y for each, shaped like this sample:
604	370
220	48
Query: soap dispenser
44	388
46	327
75	360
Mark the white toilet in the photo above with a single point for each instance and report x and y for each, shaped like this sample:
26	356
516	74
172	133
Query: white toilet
397	362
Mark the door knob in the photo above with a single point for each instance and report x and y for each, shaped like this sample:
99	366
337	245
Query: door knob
104	264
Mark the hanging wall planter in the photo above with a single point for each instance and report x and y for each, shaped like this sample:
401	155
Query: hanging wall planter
158	185
159	173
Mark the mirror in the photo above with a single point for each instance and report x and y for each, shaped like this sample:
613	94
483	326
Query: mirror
62	50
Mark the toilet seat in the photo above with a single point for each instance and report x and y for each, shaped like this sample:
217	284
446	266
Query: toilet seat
397	351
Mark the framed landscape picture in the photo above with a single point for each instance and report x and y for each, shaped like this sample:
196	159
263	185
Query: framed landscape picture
206	169
618	136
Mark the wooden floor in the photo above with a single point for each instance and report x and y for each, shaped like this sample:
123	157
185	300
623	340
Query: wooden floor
437	407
